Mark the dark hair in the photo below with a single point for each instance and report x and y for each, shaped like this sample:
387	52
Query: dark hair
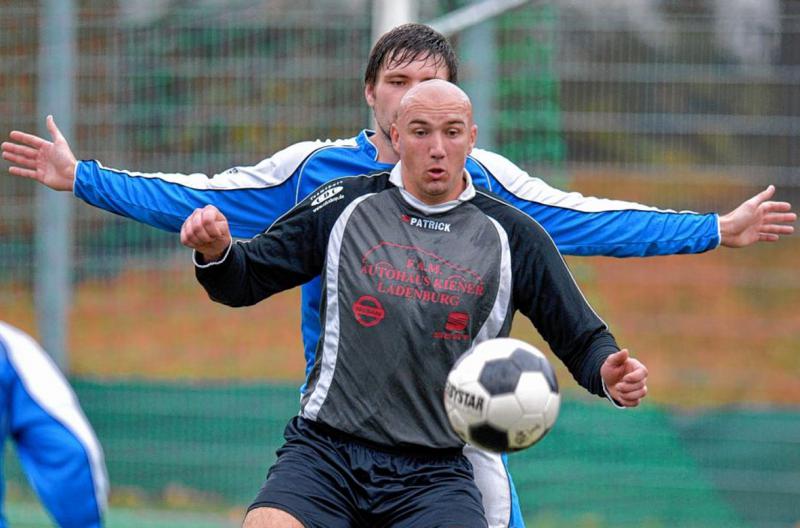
408	43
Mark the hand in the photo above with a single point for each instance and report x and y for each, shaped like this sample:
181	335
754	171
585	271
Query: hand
50	163
757	220
625	378
206	231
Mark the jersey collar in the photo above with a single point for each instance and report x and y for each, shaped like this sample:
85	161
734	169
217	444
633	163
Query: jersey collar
366	145
396	178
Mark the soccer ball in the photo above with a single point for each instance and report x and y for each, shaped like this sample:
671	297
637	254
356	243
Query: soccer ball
502	395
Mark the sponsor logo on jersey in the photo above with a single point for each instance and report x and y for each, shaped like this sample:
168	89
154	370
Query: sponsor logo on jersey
456	322
472	403
368	311
454	328
327	196
424	223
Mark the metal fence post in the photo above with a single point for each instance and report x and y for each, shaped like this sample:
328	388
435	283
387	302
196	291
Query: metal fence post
53	266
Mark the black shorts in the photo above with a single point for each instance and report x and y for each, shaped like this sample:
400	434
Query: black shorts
328	480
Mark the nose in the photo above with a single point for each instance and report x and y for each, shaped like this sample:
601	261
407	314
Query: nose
437	147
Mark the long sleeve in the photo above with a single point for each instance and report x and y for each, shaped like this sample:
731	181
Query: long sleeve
581	225
250	197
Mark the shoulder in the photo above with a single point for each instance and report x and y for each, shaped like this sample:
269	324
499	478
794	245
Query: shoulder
513	221
350	186
283	163
337	194
494	162
307	149
295	155
31	363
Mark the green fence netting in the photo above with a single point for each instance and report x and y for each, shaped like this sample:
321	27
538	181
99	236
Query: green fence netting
183	446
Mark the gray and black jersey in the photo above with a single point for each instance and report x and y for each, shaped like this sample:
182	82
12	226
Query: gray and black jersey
407	289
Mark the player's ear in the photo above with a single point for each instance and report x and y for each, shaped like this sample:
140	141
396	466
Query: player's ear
369	94
473	136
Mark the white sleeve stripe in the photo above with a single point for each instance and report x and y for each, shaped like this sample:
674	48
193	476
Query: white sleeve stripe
330	347
270	172
523	186
48	388
494	323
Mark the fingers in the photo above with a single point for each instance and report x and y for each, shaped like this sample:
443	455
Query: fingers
19	155
777	217
631	398
25	173
776	222
19	150
764	195
777	229
53	129
188	236
208	218
638	373
632	386
27	139
193	232
775	207
20	160
204	227
618	359
629	394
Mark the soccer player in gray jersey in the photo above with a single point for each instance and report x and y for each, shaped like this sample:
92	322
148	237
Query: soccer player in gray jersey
398	253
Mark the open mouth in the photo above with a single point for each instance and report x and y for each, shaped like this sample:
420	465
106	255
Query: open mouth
436	172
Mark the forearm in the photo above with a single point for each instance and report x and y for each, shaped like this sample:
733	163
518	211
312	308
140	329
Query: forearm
585	365
627	233
230	280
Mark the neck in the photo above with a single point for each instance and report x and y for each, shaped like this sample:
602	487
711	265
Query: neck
383	143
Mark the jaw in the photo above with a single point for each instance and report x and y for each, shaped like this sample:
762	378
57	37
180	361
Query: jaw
383	142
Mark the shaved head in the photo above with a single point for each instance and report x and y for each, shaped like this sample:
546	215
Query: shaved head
436	94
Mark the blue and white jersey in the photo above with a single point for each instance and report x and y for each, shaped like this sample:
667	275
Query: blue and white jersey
56	445
252	198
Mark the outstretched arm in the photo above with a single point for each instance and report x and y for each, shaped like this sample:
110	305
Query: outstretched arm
48	162
585	225
757	220
252	197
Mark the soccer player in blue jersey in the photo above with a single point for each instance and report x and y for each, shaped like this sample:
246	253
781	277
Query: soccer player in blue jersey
252	198
372	445
56	445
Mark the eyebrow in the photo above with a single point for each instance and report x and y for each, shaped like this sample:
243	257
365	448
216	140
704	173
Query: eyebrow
419	121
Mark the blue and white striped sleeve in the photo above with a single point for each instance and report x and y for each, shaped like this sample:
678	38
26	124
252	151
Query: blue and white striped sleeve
251	198
56	445
582	225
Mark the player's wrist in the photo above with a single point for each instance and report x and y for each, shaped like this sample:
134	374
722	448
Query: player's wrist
210	258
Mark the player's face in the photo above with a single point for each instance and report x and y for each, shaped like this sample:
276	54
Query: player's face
392	83
433	136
